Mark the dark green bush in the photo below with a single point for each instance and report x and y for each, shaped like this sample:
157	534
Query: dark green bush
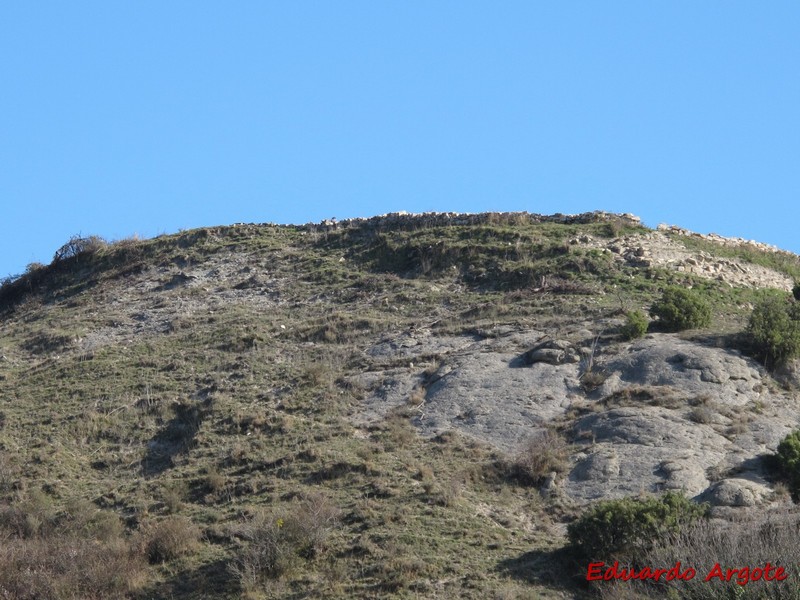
628	527
774	330
788	462
636	324
680	308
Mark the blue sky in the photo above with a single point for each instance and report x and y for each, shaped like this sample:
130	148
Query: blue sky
149	117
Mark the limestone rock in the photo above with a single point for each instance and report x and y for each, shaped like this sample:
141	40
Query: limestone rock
554	352
651	451
736	492
635	433
719	374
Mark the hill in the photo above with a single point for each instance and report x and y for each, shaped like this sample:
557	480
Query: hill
402	406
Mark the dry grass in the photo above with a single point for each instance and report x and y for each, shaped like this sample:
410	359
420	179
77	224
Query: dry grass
68	567
703	415
166	540
539	457
8	471
751	543
281	357
73	552
279	541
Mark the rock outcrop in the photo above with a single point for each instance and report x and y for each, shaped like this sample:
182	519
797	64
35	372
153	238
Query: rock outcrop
672	414
660	250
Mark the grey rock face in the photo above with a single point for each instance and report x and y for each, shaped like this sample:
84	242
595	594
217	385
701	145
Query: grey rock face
736	492
672	414
642	449
721	375
493	397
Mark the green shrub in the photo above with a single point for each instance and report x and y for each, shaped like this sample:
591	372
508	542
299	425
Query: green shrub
636	323
680	308
774	330
628	527
788	462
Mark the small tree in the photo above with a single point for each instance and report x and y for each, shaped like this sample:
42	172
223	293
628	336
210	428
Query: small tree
680	308
774	330
636	324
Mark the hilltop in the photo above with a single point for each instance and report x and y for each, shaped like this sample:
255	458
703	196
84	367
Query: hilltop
399	406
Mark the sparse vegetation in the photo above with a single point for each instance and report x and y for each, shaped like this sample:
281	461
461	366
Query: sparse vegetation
202	395
782	262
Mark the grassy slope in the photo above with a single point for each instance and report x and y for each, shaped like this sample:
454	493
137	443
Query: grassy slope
233	411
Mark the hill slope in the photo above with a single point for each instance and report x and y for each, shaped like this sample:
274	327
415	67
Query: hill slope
362	399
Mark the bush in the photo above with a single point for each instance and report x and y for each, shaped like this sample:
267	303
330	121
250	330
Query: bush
539	457
680	309
774	330
34	267
280	541
168	539
636	323
702	415
78	245
272	552
628	527
788	462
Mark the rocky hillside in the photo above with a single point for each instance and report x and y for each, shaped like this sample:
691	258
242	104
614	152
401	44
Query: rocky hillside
369	401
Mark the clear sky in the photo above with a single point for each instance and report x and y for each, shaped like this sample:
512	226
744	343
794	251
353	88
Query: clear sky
148	117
